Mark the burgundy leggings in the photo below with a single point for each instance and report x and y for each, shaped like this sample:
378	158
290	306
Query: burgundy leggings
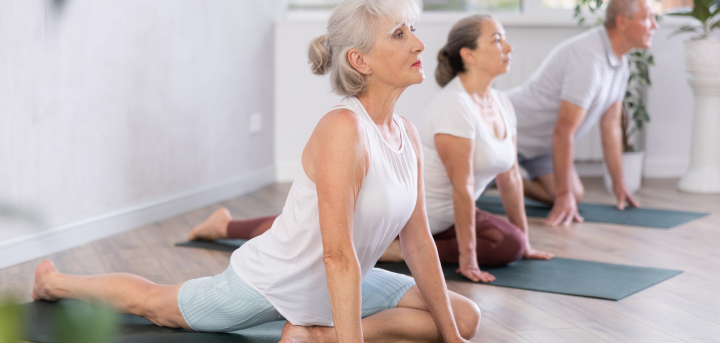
498	241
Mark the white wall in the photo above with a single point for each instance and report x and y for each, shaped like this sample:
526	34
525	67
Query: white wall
115	114
302	98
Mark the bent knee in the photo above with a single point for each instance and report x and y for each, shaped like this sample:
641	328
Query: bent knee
467	316
160	307
579	194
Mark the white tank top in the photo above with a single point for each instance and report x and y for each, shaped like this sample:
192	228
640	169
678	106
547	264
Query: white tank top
285	263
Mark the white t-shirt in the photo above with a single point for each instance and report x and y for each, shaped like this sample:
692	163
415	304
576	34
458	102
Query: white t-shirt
583	71
453	112
285	264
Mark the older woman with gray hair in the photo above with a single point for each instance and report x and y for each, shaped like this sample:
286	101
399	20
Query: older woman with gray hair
360	187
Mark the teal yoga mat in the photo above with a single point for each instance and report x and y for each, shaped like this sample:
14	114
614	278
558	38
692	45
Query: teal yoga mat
559	275
564	276
647	217
134	329
220	244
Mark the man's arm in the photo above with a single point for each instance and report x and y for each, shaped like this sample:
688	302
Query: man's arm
564	209
611	133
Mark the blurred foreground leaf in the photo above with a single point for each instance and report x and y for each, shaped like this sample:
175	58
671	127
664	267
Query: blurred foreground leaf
10	320
79	322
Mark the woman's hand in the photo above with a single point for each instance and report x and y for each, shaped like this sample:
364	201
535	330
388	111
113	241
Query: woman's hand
532	254
470	269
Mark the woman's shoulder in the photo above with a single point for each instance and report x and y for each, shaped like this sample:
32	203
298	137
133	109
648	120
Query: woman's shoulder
448	99
340	123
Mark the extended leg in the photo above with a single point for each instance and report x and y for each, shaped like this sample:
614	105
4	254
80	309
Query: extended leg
221	225
127	293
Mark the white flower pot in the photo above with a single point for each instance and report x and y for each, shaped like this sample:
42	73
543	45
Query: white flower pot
632	163
702	58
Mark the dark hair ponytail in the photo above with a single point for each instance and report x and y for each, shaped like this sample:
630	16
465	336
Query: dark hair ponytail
464	34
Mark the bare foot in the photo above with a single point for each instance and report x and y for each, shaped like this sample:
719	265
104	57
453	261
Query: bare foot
304	334
41	287
393	253
215	227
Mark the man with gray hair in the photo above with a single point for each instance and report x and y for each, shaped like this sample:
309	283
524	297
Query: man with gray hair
581	82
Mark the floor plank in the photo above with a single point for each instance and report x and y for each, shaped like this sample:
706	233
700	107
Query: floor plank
684	308
560	336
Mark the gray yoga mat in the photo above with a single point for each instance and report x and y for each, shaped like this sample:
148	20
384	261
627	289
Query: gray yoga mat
647	217
559	275
220	244
134	329
564	276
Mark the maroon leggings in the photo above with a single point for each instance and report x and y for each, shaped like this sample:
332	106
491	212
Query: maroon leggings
498	241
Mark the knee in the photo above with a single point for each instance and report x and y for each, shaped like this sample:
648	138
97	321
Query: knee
515	246
154	307
579	193
467	317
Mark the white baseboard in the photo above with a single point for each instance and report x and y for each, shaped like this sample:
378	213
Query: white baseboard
665	167
53	240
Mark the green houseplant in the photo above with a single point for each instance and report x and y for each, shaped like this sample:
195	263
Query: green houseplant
707	12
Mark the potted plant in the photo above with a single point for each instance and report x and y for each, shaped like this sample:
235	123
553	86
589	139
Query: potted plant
634	112
702	62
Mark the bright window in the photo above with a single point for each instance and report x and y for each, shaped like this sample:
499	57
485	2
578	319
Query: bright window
559	4
473	5
512	6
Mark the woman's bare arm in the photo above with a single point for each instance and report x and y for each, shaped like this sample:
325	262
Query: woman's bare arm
511	194
336	160
421	256
456	154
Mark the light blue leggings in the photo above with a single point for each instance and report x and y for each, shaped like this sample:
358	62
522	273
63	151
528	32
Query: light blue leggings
225	303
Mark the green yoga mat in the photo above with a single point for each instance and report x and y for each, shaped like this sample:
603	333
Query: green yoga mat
647	217
563	276
559	275
220	244
134	329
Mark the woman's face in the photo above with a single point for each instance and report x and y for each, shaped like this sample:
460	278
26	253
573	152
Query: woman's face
396	57
492	54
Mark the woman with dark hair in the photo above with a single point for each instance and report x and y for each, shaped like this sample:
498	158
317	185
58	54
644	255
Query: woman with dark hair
469	140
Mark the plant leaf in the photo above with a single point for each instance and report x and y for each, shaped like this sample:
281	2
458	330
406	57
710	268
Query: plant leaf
701	13
684	29
680	14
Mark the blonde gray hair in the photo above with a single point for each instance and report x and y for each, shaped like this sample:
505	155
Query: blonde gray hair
615	8
464	34
354	24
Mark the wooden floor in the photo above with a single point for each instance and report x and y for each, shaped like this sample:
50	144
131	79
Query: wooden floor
683	309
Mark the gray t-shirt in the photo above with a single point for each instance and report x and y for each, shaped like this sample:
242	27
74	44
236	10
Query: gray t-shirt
582	70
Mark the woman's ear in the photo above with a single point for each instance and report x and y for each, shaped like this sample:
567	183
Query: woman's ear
467	56
357	61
